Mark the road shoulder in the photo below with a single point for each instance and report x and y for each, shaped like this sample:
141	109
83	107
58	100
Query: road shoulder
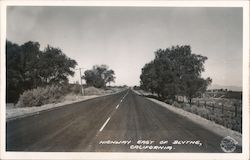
16	113
209	125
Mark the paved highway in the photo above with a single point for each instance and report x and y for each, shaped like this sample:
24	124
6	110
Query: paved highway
122	122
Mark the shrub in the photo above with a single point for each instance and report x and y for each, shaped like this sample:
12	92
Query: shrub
169	101
176	104
93	91
40	96
76	89
203	112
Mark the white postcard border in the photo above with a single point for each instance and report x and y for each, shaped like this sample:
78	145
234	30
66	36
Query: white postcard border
104	155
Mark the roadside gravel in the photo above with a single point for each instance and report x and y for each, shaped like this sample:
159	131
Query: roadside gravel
14	112
209	125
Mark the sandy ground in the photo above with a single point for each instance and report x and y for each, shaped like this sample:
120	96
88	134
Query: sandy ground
210	125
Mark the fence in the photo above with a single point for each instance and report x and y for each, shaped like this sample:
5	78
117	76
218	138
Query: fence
235	108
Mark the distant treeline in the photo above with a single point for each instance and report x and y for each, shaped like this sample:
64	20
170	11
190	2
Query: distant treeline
224	93
29	67
234	95
175	71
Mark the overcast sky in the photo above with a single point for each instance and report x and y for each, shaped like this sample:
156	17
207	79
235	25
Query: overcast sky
125	38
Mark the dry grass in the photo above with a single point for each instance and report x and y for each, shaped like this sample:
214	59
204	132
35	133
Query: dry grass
227	118
55	94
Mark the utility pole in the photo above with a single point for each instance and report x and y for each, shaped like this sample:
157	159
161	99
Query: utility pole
82	90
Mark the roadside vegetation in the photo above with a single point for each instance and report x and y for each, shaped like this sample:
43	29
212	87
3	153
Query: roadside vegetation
175	71
48	94
174	76
37	77
32	70
223	111
99	76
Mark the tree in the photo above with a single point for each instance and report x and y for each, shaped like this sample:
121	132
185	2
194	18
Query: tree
21	63
194	86
28	67
147	77
13	76
109	76
99	76
54	66
175	71
29	58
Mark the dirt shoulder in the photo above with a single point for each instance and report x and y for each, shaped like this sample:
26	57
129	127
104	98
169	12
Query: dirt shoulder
210	125
13	112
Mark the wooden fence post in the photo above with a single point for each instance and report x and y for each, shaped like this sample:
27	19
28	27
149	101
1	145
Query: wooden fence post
235	110
222	108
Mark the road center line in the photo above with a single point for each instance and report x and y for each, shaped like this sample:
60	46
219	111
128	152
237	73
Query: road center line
124	96
117	106
104	124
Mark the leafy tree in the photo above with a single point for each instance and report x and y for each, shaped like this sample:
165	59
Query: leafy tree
21	68
89	76
29	59
195	86
109	76
175	71
54	66
147	76
28	67
99	76
13	76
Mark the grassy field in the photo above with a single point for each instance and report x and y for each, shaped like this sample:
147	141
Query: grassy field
223	111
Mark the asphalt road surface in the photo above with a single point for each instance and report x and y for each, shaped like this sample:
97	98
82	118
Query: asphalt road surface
122	122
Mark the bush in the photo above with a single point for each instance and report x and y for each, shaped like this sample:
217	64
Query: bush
93	91
176	104
169	101
76	89
40	96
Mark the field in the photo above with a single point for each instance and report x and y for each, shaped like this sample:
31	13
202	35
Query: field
223	111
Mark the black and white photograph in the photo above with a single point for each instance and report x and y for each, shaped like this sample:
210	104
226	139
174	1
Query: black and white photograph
147	79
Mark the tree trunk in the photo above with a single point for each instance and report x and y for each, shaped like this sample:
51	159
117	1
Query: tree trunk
190	101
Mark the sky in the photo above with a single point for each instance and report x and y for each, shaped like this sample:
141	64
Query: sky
125	38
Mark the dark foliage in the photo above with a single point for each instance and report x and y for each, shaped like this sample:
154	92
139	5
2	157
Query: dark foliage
28	67
175	71
99	76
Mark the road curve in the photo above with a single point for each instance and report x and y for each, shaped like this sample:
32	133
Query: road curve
122	122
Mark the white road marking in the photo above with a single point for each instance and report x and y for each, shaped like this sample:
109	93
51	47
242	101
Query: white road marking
104	124
124	96
117	106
